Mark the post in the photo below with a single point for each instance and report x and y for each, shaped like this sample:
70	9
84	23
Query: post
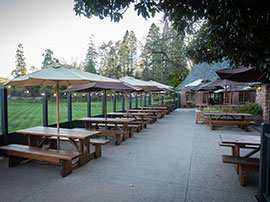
45	108
69	105
4	113
149	99
144	100
103	104
178	100
130	101
162	99
89	104
114	102
136	101
123	102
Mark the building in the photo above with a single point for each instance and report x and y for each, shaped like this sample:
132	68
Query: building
204	71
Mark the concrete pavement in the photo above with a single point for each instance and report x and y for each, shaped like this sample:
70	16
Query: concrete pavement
171	160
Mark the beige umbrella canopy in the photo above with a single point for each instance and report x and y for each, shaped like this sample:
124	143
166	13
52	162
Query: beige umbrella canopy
58	75
145	85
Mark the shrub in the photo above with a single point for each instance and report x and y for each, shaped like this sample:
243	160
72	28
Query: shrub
251	108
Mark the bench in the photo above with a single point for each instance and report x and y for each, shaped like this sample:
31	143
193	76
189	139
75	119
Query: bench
18	153
245	164
95	142
244	124
107	133
131	127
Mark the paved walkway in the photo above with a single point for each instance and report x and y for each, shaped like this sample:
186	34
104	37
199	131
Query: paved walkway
171	160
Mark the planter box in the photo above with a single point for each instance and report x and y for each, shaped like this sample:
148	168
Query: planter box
200	118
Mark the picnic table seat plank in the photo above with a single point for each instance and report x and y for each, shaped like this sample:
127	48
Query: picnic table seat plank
245	164
96	142
18	153
244	124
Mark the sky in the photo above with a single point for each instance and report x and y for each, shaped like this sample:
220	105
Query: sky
39	25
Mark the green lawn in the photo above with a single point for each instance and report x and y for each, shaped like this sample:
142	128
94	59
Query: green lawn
26	113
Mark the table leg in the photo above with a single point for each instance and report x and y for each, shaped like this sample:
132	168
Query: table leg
83	157
142	122
125	130
237	154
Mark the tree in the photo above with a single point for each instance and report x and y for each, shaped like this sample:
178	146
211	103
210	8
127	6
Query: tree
235	30
20	69
90	60
163	58
48	59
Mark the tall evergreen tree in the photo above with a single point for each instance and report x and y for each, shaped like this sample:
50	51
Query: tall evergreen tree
20	69
48	58
90	60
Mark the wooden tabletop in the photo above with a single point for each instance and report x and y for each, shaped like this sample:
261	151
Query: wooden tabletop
128	114
227	114
145	110
240	139
108	120
161	108
64	132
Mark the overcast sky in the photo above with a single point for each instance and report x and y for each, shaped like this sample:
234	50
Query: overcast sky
43	24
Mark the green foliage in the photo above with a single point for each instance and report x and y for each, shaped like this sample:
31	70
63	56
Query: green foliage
217	109
20	69
90	60
252	108
119	59
114	9
163	58
235	30
48	59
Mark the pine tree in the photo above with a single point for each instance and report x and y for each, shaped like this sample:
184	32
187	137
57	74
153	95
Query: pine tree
90	60
20	63
48	59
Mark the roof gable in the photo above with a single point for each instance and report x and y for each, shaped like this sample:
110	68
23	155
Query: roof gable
203	71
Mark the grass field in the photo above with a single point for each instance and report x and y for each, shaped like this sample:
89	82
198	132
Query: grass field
26	113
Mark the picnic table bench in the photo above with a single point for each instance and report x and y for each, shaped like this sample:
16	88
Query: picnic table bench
222	118
244	163
93	141
18	153
120	127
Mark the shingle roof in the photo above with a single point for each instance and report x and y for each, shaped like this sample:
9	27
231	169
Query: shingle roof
203	71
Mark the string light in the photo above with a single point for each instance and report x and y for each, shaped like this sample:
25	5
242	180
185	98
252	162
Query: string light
83	94
42	94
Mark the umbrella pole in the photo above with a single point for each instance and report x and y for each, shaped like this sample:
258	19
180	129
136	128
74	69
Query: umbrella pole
57	115
127	100
231	95
141	100
159	103
105	104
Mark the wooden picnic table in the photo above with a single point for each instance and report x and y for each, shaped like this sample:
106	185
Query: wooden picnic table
243	120
93	122
154	107
242	162
131	115
155	112
38	135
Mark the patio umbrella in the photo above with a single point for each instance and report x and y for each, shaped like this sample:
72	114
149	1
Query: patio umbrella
244	74
122	86
145	85
58	75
